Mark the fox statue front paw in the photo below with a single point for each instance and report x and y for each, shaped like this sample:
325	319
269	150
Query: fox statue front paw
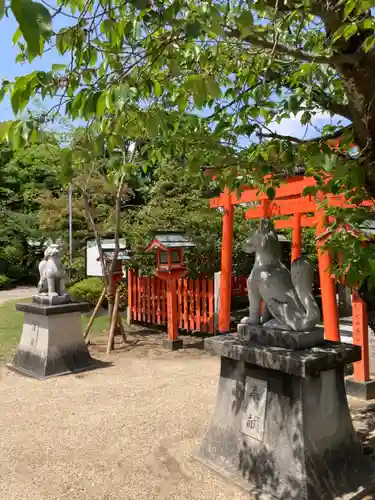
248	320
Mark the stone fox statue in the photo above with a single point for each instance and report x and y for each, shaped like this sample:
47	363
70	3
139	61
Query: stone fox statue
287	296
52	272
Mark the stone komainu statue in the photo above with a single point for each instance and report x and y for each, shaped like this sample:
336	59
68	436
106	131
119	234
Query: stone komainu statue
287	296
52	272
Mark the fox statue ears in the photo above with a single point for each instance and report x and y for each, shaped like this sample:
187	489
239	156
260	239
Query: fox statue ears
266	225
49	242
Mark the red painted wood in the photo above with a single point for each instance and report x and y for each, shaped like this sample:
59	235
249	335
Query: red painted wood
296	236
327	286
139	302
288	223
148	302
360	337
180	303
153	301
186	304
191	305
163	299
198	319
226	264
143	290
172	309
130	295
211	299
204	304
157	300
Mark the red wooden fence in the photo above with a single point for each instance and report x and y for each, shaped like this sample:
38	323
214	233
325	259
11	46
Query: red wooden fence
195	302
239	286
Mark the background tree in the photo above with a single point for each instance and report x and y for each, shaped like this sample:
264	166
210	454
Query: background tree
142	66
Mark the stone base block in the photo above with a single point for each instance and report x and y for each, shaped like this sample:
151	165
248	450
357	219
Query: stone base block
280	338
173	345
52	342
281	426
51	301
360	390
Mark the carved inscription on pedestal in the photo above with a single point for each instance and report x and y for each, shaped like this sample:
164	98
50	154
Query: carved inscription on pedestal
34	335
254	408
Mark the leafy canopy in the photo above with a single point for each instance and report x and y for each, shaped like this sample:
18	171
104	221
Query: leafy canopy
144	70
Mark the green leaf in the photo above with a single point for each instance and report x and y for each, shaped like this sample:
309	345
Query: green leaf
213	87
369	43
101	105
142	4
368	24
349	31
349	6
157	89
58	67
152	124
245	22
271	192
193	30
2	8
34	20
121	94
17	35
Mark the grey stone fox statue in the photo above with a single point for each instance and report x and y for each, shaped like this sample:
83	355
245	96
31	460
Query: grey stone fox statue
288	300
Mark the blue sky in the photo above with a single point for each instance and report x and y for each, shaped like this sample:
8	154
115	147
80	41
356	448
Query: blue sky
9	69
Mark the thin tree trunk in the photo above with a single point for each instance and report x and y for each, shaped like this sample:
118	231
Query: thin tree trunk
114	322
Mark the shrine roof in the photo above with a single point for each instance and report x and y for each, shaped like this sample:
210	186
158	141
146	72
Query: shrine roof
170	239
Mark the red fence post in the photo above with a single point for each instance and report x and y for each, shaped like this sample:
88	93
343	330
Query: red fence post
130	296
360	337
211	306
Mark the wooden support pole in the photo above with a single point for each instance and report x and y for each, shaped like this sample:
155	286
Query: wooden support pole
121	327
114	322
296	237
226	264
95	312
360	337
327	286
172	309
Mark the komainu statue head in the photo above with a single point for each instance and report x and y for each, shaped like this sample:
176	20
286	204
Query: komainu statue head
263	239
53	250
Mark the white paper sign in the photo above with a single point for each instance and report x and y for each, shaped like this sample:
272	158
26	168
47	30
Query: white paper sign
254	408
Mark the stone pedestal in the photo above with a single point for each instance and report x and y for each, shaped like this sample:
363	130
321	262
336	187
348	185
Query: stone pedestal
280	338
52	342
281	425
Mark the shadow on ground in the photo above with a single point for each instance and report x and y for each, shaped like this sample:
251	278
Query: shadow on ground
146	342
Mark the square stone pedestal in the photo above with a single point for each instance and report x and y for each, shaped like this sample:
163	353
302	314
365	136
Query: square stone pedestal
281	427
52	342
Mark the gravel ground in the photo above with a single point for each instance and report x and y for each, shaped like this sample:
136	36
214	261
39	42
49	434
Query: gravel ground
119	433
124	432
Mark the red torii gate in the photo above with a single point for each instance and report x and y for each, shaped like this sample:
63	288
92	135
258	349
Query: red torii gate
289	200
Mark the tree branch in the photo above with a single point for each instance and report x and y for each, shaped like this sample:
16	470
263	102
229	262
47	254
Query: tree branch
320	139
321	98
281	48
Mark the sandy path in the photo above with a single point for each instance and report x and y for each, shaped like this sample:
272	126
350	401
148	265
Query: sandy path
16	293
120	433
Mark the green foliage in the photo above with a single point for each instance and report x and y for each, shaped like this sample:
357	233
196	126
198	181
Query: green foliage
88	290
179	200
77	271
145	71
4	281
